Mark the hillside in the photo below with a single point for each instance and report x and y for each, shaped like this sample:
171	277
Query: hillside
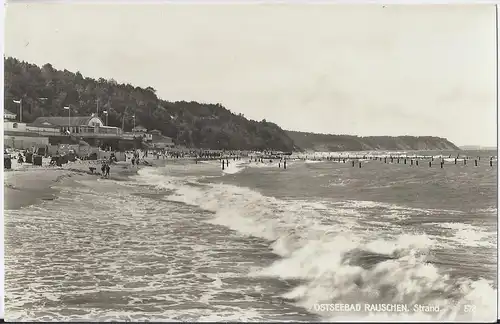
326	142
45	91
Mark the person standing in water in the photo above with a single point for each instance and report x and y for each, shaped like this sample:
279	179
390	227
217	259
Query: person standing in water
107	170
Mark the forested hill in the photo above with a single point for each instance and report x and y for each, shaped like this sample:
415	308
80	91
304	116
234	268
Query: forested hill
326	142
45	91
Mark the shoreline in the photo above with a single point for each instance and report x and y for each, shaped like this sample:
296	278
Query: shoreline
148	216
29	186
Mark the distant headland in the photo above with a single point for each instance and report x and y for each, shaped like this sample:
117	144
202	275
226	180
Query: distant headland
336	143
478	148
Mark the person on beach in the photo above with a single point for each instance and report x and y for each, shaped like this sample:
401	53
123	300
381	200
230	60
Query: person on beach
137	158
107	170
103	168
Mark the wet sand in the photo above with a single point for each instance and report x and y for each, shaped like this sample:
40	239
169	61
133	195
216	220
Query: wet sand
28	186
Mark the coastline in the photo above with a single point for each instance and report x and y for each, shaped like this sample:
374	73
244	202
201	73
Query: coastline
28	186
142	222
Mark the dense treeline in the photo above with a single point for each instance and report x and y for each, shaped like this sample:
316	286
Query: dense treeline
45	91
327	142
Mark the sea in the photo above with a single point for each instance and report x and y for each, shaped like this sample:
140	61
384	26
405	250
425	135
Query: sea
186	241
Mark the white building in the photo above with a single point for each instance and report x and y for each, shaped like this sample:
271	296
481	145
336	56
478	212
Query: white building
8	115
78	125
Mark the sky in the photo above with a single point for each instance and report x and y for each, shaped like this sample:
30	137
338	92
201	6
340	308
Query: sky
364	70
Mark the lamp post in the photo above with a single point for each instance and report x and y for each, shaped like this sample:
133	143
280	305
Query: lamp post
106	113
133	130
69	118
42	100
20	102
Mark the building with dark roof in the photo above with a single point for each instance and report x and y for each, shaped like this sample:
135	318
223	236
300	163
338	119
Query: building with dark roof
73	124
88	128
159	141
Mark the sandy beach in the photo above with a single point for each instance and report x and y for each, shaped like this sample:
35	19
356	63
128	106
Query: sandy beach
28	184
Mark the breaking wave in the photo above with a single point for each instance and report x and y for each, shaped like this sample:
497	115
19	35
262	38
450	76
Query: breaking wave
335	257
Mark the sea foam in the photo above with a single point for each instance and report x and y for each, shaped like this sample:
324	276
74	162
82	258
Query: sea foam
338	260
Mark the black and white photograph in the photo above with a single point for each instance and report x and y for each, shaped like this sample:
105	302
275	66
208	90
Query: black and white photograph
250	162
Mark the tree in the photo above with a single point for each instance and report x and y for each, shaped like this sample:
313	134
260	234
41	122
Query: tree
194	124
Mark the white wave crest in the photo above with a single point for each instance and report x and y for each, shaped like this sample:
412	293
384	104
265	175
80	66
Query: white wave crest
337	260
